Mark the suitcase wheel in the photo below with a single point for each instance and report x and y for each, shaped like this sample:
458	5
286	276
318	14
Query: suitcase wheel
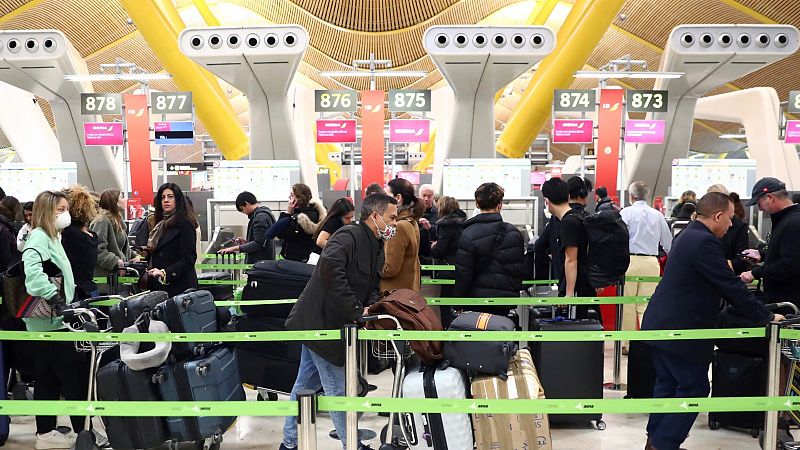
755	432
601	425
714	424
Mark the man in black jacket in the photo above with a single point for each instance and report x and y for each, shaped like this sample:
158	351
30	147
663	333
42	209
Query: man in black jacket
427	224
490	260
345	280
256	246
688	297
781	269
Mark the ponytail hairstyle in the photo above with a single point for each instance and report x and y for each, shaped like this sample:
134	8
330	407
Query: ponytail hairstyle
405	190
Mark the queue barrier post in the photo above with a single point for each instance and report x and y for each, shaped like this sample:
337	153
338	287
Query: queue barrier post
350	336
617	384
770	440
307	420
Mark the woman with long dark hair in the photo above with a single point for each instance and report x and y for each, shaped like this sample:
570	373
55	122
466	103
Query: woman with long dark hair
171	251
298	224
113	249
401	269
341	213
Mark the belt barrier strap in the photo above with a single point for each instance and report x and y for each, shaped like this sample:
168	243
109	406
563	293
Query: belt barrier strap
537	301
561	336
442	267
223	266
312	335
146	409
222	282
436	282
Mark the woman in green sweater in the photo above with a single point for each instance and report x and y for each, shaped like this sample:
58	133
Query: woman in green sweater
60	369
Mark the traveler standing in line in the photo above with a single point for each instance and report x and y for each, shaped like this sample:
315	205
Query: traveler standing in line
27	213
579	190
256	246
113	249
647	229
449	228
341	213
298	224
604	202
686	197
490	258
427	223
780	271
60	369
737	239
345	280
80	243
401	270
171	251
573	242
688	297
373	188
10	208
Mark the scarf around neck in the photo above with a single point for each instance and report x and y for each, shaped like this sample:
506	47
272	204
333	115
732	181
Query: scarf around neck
166	223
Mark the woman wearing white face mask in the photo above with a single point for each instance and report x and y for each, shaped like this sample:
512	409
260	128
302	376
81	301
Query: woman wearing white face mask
60	369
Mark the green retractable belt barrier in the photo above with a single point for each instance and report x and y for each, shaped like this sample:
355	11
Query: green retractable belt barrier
255	336
223	266
442	267
437	281
145	409
537	301
561	336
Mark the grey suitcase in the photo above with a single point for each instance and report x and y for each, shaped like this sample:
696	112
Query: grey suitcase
190	312
210	378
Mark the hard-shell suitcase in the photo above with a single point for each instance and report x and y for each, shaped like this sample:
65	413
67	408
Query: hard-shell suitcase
125	313
734	375
275	280
218	291
511	431
190	312
437	431
272	365
117	382
5	421
490	358
641	371
210	378
570	369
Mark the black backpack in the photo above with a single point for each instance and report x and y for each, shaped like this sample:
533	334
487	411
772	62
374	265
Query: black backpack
609	251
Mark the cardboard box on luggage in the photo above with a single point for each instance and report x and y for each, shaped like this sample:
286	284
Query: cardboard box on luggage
511	431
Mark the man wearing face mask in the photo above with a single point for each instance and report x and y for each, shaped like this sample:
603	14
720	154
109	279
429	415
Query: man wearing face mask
345	280
696	277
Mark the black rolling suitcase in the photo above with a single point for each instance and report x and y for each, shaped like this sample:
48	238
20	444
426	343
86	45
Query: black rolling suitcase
490	358
190	312
275	280
117	382
735	375
210	378
268	365
218	291
641	371
125	313
570	369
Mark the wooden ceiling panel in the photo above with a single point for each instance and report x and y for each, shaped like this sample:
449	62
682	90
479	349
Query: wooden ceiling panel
7	6
783	11
782	75
89	24
378	15
135	50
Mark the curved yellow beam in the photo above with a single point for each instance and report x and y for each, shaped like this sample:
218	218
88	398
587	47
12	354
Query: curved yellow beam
205	12
428	148
582	30
211	104
538	16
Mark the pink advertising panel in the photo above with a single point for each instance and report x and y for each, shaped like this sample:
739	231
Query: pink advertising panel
103	133
336	131
409	130
644	131
573	131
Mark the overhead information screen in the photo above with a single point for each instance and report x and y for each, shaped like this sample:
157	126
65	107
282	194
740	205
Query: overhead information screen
267	180
738	175
26	181
463	175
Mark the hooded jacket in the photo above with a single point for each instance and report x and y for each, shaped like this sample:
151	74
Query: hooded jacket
781	269
298	234
490	258
258	247
449	229
344	281
401	270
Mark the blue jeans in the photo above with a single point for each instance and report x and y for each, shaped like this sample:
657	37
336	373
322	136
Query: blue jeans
316	372
676	377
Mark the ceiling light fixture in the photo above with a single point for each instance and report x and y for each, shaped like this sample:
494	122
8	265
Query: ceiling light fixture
732	136
118	77
607	75
377	73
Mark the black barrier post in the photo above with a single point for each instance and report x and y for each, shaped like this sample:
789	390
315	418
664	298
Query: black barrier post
307	420
350	335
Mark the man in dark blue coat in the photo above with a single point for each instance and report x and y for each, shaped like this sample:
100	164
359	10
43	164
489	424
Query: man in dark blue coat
688	297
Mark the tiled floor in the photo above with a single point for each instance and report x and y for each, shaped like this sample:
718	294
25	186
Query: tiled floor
623	432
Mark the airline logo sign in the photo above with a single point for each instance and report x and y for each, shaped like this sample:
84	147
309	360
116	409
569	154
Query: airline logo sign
409	131
644	131
336	131
793	131
102	133
573	131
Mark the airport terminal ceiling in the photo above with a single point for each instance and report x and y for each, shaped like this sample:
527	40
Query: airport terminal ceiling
343	30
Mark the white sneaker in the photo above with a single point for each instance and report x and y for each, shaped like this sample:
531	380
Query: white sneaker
55	440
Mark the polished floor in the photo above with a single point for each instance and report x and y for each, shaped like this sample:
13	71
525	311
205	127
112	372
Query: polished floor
623	432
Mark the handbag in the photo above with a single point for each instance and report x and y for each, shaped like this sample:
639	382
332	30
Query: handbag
23	305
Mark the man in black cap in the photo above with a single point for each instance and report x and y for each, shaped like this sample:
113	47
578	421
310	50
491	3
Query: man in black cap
780	272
